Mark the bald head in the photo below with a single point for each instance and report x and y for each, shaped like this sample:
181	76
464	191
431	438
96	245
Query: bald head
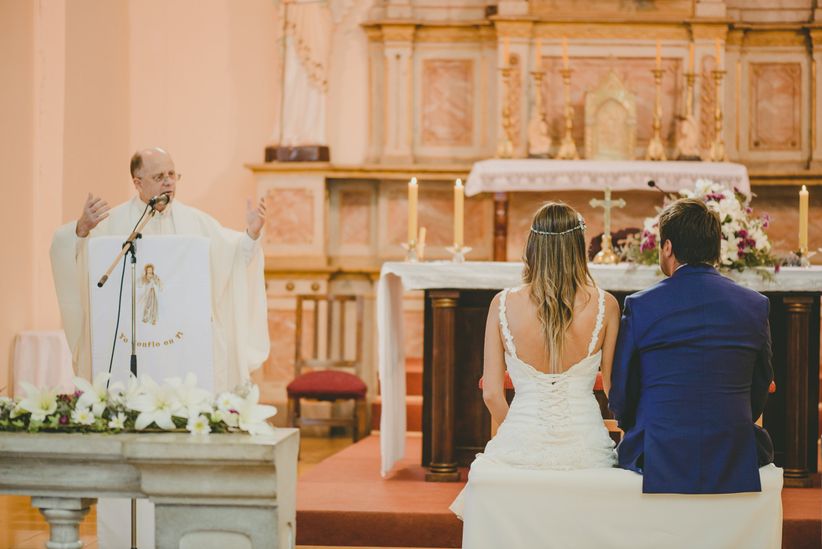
153	173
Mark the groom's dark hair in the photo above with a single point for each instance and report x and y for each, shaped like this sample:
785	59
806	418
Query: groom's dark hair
693	229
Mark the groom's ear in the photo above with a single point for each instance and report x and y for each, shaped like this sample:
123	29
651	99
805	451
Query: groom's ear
667	249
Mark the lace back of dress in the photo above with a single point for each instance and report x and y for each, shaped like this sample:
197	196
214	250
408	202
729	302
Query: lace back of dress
508	338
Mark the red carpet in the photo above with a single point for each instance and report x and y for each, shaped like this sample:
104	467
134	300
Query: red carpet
344	501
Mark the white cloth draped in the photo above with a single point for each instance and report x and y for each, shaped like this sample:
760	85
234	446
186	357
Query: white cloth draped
496	175
543	509
396	278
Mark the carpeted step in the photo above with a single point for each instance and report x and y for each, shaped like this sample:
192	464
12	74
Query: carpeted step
413	413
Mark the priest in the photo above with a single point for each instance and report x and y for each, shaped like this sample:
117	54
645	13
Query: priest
238	302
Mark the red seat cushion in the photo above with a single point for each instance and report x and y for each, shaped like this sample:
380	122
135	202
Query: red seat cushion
327	385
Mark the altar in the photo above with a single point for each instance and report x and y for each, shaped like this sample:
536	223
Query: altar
456	424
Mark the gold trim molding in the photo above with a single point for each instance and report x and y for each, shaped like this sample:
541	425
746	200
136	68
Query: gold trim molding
450	34
615	30
514	29
770	38
398	33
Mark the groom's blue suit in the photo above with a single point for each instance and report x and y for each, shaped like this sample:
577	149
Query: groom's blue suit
691	373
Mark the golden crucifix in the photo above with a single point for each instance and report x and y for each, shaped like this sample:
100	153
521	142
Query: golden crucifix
606	254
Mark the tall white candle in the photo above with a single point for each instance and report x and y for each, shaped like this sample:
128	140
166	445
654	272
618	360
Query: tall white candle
803	219
459	213
412	209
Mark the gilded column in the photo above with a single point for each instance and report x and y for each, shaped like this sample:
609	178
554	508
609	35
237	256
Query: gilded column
815	85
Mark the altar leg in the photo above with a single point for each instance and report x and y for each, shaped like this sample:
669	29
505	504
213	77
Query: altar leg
64	516
798	309
500	226
443	466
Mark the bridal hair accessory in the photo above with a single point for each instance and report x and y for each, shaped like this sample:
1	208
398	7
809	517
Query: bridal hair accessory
579	226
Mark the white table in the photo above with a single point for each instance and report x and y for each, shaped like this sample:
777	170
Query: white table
397	278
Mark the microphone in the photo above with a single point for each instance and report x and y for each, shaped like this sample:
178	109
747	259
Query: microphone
159	200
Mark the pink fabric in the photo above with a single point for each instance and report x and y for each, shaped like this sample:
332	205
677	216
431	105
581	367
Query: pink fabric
43	359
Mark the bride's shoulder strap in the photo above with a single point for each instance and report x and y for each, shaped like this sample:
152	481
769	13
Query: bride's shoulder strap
600	318
503	321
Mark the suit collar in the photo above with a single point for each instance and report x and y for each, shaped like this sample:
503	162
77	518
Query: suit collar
696	268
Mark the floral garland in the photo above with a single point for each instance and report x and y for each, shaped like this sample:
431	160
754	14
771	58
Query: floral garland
176	405
744	243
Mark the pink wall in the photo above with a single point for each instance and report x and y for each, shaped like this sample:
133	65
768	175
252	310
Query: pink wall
17	159
93	80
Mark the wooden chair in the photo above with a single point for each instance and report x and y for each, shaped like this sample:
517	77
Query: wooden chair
331	377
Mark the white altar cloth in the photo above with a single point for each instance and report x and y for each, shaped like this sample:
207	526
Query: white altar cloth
528	174
396	277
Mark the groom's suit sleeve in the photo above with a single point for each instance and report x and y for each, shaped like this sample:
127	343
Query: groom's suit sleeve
624	394
763	373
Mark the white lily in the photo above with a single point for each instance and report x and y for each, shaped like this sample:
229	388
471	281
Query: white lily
39	403
253	416
192	399
227	401
155	404
95	396
118	421
198	425
83	416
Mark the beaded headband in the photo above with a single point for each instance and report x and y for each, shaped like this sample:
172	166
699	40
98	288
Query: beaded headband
580	226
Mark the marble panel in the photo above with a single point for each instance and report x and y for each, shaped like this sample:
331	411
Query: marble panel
435	212
775	104
634	72
355	217
279	368
782	205
447	102
290	217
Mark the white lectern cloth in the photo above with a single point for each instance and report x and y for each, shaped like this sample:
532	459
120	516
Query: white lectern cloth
174	337
507	507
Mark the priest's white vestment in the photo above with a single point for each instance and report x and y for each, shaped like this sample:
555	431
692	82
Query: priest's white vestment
239	312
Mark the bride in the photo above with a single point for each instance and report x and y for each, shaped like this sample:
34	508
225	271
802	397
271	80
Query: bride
552	335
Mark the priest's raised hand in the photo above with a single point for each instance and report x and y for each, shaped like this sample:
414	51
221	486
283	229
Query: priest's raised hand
255	218
94	211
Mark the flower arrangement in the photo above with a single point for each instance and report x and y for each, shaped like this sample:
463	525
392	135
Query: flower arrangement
744	243
177	405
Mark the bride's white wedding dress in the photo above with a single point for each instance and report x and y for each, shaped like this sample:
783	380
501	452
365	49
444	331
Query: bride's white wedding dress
554	421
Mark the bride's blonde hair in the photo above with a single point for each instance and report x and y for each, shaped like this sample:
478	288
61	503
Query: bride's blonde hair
556	266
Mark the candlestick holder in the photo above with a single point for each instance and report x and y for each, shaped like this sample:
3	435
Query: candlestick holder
567	148
410	251
690	80
458	253
505	146
656	150
717	150
539	142
606	255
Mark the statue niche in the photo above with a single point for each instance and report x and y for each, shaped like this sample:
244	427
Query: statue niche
610	121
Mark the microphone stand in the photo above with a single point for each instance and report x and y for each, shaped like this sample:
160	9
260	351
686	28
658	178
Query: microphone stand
130	247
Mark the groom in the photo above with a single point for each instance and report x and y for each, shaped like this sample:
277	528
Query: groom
692	368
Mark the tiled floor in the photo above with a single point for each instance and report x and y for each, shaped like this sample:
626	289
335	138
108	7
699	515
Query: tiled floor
23	527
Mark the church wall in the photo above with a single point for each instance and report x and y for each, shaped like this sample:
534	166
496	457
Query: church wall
17	134
204	84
